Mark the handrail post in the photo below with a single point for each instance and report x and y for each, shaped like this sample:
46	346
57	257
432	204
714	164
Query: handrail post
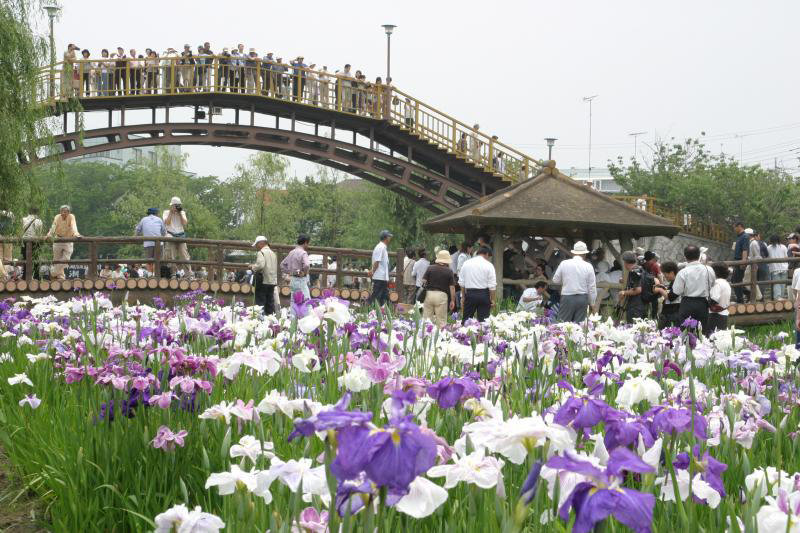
220	260
386	108
491	154
92	260
753	279
416	115
172	75
398	276
455	136
80	79
339	82
157	251
28	261
338	271
127	77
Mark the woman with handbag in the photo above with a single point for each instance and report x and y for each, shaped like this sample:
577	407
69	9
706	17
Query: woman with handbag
439	285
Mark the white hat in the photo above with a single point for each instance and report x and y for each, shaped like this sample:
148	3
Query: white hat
175	201
749	231
703	249
579	248
259	239
443	256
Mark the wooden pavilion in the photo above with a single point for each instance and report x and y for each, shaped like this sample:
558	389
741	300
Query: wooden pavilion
555	209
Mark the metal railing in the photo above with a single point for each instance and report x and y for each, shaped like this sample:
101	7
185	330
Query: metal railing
107	78
220	267
690	225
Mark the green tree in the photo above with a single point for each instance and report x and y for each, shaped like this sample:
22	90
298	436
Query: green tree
687	177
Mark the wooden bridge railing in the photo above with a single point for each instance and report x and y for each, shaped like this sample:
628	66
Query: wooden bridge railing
698	227
110	77
219	268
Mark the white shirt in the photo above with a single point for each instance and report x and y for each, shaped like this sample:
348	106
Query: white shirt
462	258
454	262
796	280
419	269
381	256
576	276
530	292
721	293
477	273
694	281
778	251
32	225
175	223
332	277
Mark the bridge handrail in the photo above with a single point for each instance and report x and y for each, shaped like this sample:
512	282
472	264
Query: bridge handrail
64	80
216	263
698	227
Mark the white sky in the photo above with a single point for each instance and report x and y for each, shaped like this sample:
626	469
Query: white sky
519	68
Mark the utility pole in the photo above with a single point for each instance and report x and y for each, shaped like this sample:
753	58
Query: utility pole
589	99
635	136
389	28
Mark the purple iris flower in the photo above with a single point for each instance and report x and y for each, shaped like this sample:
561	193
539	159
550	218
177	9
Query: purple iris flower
595	500
711	470
671	421
581	413
336	418
528	490
449	391
299	304
625	432
398	454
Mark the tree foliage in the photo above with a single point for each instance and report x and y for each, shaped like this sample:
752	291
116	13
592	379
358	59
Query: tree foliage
687	177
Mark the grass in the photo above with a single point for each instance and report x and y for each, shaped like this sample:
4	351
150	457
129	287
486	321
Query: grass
21	510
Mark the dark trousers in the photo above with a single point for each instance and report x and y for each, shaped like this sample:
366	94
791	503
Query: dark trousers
265	295
696	308
669	316
477	301
380	292
738	276
717	321
634	311
120	80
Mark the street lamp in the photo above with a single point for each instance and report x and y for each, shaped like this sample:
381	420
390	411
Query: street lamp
550	142
389	28
589	99
635	136
52	12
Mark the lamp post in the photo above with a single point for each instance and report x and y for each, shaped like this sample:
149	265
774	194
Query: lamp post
52	11
635	136
589	99
389	28
550	142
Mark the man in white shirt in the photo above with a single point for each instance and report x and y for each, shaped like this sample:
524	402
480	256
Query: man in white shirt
693	284
533	297
420	267
478	282
720	299
380	270
175	221
409	282
578	285
265	271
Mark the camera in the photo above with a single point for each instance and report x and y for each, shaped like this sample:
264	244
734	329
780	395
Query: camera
178	208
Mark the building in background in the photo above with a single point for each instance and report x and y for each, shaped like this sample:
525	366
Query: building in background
123	156
598	178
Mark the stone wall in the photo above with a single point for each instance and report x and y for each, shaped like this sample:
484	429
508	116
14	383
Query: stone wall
672	249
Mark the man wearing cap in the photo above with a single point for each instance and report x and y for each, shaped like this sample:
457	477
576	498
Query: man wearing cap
252	74
298	78
578	285
175	222
64	226
266	275
635	307
751	271
478	281
380	269
296	264
151	226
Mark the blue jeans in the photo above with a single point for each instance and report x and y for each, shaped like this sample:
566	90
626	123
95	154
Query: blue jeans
778	289
300	284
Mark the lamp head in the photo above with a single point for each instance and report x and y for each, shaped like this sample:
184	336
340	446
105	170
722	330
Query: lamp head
550	141
52	9
389	28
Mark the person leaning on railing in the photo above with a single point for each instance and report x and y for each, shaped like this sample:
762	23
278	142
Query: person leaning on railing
64	226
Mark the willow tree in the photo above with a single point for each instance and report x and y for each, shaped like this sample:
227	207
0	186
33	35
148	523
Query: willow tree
22	53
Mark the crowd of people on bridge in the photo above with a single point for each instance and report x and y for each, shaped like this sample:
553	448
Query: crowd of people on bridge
236	69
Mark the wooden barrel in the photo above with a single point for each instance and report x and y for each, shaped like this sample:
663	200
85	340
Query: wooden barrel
130	284
751	308
364	294
34	285
337	293
205	285
235	287
246	288
345	294
66	285
394	297
44	285
163	283
88	284
225	286
184	285
141	283
110	284
732	309
194	285
22	285
759	307
151	283
787	305
54	286
121	283
214	287
99	284
286	291
769	307
741	309
173	284
315	292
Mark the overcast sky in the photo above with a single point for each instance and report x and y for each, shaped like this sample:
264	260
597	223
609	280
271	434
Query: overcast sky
519	68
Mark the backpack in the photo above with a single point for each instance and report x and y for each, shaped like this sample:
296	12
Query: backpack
648	283
764	250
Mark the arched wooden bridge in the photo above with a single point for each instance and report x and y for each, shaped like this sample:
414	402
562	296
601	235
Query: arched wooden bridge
375	132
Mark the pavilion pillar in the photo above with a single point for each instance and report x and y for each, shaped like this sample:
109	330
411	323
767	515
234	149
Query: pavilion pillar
497	258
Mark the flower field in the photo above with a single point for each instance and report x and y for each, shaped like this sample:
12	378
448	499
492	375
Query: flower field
206	417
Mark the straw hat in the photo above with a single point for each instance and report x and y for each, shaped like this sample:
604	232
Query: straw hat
443	256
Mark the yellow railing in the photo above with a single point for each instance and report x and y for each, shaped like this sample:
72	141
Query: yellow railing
691	225
108	77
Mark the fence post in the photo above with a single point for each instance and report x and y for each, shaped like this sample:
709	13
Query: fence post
92	260
28	261
398	276
157	253
220	260
753	280
339	271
